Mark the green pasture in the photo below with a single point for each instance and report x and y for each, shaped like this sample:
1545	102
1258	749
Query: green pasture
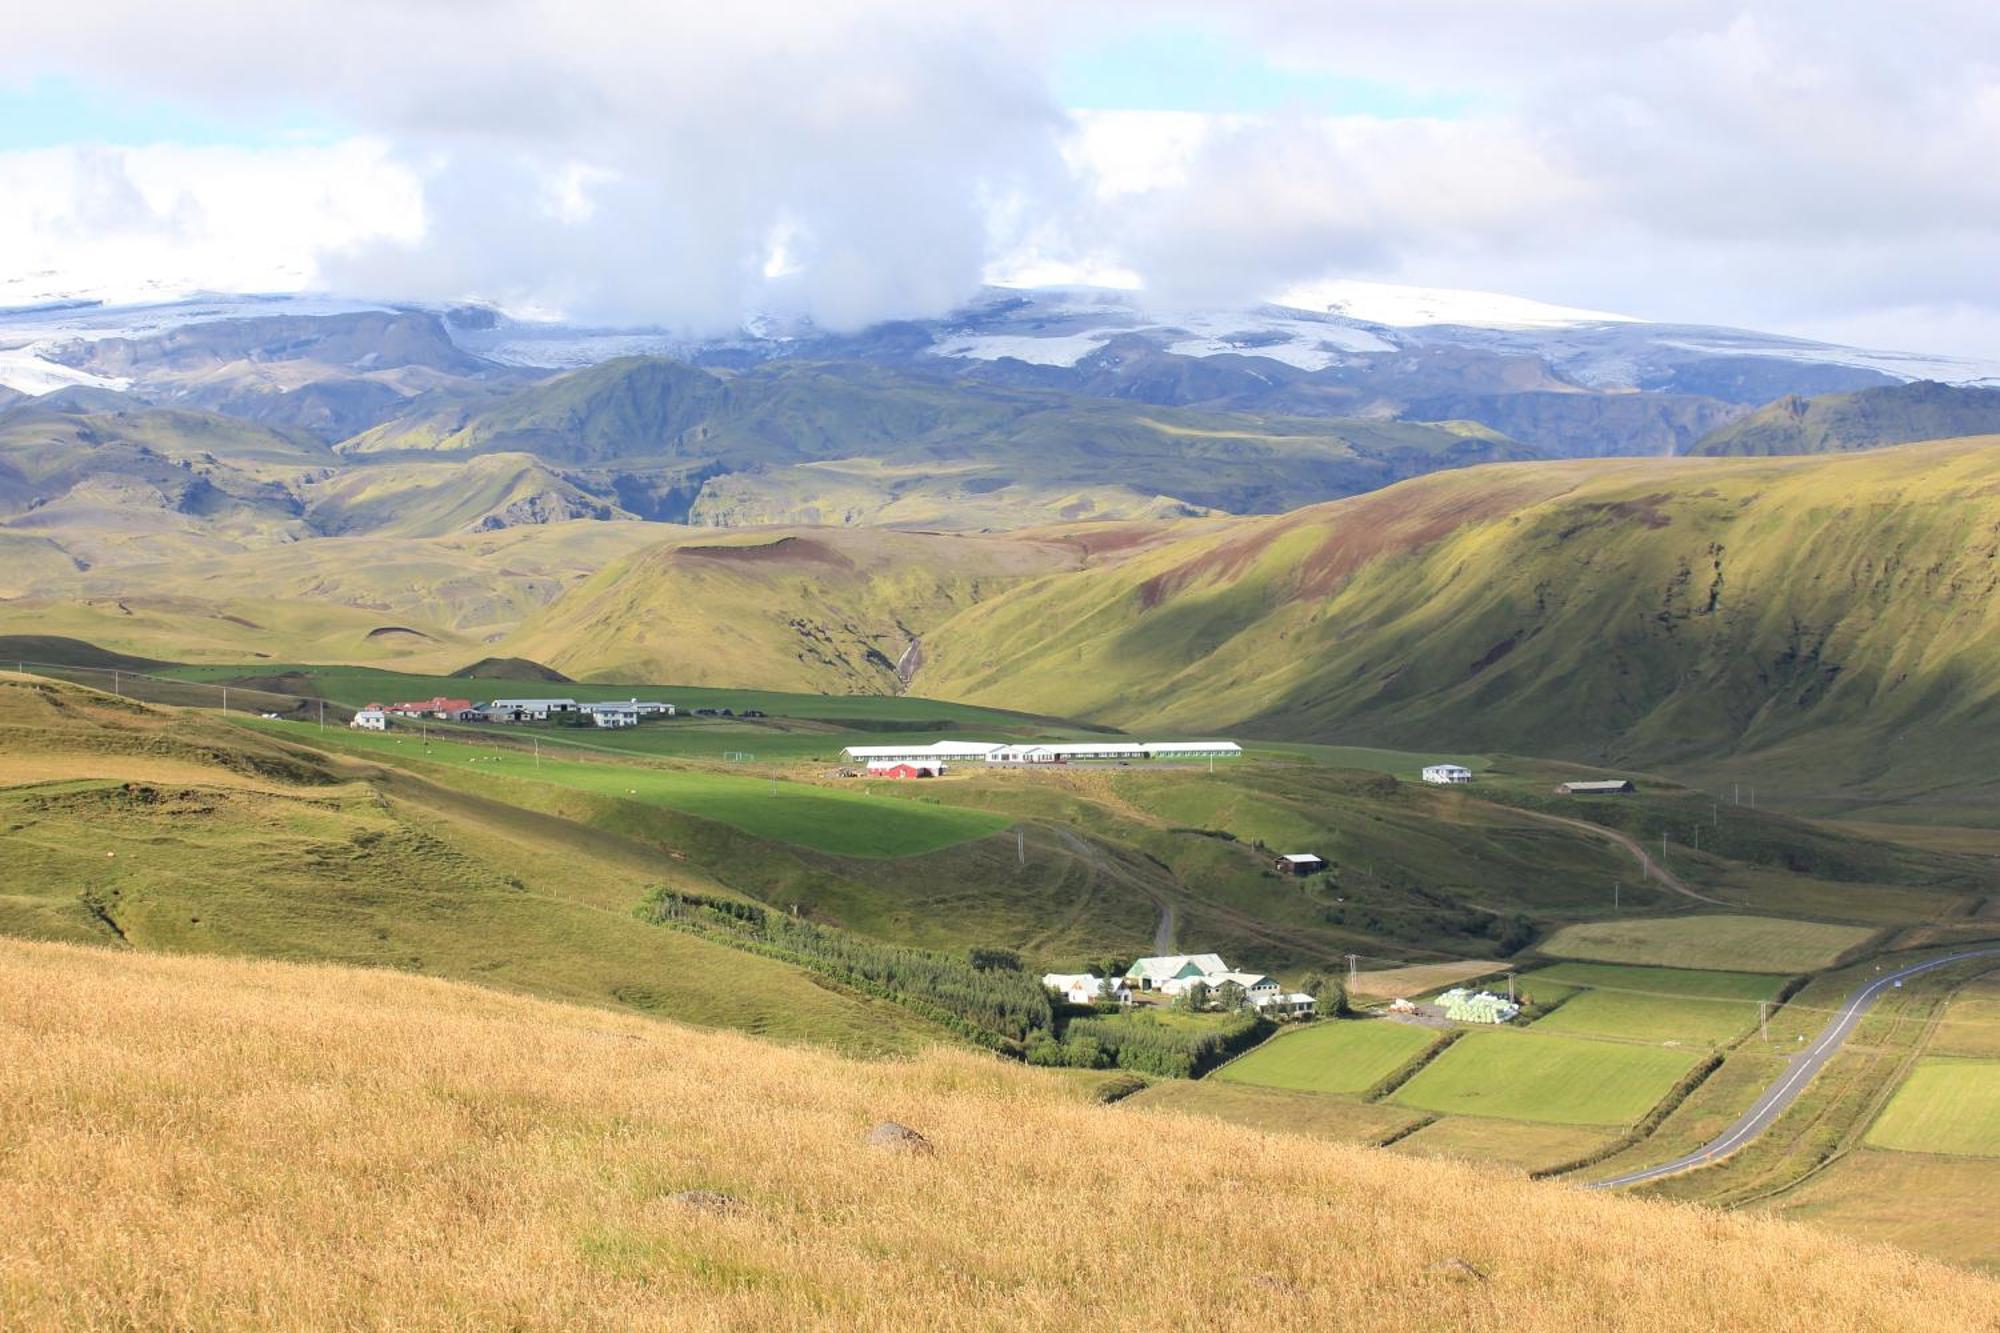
1338	1055
1655	1004
1553	1079
1721	942
1946	1105
848	823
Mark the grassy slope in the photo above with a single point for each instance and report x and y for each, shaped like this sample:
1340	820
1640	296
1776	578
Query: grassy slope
1833	620
168	831
1723	942
831	611
261	1143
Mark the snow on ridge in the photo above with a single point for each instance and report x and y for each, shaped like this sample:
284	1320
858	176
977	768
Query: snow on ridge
1904	365
1399	306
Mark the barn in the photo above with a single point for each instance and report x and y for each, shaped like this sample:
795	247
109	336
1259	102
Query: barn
905	768
1299	863
1613	787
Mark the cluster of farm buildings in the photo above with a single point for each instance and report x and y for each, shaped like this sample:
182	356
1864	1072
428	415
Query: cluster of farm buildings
931	760
610	713
1174	975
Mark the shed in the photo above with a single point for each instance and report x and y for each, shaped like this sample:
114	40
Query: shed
1299	863
1611	787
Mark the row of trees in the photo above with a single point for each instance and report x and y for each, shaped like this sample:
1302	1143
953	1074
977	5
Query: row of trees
987	1001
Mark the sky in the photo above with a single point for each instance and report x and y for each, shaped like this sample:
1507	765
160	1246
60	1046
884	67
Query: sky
1824	168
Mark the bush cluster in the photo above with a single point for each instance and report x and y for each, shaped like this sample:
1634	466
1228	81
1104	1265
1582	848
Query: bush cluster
1134	1041
985	1004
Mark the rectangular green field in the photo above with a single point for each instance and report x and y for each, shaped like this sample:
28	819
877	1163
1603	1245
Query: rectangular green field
1946	1105
1720	942
844	822
1653	1003
1337	1055
1551	1079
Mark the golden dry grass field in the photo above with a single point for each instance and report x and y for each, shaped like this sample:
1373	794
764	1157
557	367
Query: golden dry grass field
208	1143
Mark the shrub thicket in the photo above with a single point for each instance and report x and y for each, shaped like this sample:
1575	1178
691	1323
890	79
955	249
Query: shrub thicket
1137	1041
991	1007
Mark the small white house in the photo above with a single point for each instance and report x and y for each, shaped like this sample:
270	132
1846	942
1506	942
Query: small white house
1444	775
1075	987
370	718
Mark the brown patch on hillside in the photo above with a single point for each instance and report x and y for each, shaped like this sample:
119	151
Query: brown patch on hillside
386	631
1646	509
785	550
1358	531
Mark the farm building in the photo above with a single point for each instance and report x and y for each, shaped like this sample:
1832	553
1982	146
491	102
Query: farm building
935	751
906	768
638	708
1256	986
1282	1004
1299	863
372	718
1154	973
528	710
1477	1006
1446	774
1047	752
1612	787
439	707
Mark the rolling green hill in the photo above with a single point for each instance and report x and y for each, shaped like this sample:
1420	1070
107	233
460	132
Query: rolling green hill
1866	419
1835	620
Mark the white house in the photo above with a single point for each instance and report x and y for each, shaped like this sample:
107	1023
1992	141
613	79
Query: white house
613	715
1075	987
1296	1003
1446	774
371	718
1256	986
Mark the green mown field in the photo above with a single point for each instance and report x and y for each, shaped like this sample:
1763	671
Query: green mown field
1342	1055
1653	1003
844	822
1946	1105
1552	1079
1721	942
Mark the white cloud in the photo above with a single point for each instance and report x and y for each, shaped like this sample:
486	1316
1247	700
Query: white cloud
1794	164
131	223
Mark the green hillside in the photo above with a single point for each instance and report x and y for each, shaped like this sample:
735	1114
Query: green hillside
1833	620
1866	419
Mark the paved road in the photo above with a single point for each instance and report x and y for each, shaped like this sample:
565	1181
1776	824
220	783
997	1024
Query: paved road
1798	1074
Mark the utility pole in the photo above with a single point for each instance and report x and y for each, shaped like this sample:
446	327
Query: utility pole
1739	793
1510	988
225	698
1764	1019
1021	846
1352	959
114	681
322	715
1614	895
538	750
